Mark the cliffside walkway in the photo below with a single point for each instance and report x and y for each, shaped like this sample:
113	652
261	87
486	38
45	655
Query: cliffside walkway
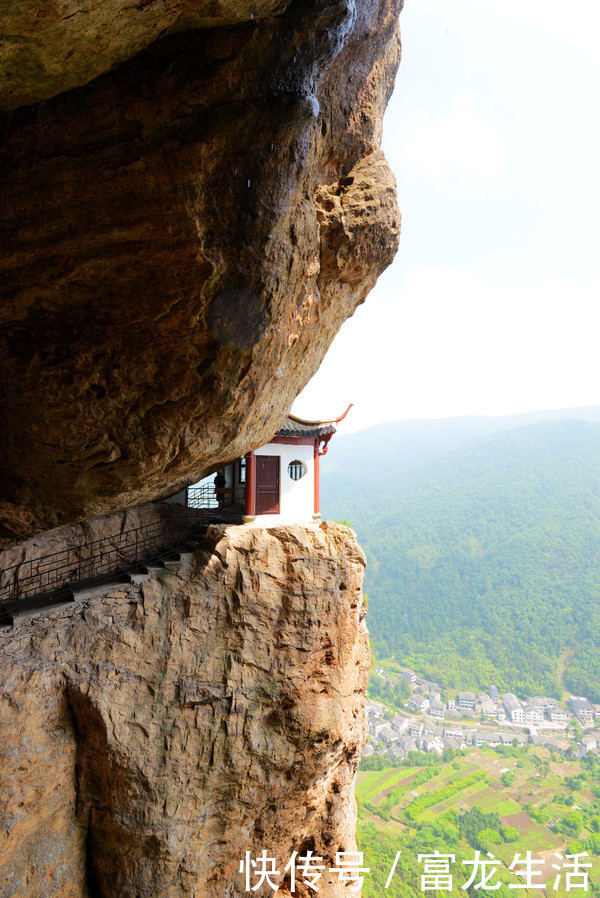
42	583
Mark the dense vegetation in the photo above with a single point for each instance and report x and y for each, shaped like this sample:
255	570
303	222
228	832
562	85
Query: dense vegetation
484	561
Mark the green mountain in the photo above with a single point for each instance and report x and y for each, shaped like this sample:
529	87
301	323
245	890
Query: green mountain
483	544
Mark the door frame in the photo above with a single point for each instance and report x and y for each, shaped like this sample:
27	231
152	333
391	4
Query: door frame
257	487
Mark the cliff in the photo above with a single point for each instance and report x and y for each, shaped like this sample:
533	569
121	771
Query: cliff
193	200
154	733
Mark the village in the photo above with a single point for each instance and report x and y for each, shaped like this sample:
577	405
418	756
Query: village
483	719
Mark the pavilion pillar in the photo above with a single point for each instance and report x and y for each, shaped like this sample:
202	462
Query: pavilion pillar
317	512
250	500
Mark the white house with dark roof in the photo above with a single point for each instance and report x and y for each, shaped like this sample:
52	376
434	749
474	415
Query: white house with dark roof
410	676
419	701
543	701
485	705
387	734
558	715
589	743
533	714
274	484
437	710
453	742
376	727
514	708
581	708
465	701
400	724
483	737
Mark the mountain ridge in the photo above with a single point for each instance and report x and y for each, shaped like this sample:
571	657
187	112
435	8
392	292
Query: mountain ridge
483	558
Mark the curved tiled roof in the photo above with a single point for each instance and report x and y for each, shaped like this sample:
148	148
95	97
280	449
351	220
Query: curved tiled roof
295	427
298	427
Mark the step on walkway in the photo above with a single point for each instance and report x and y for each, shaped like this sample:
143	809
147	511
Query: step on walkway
74	592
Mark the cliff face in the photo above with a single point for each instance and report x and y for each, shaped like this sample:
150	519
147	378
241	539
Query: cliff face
186	220
154	734
192	200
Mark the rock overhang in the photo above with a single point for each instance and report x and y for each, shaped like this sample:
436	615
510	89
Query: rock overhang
183	236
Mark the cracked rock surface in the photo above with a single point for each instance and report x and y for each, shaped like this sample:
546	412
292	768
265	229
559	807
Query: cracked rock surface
192	201
153	734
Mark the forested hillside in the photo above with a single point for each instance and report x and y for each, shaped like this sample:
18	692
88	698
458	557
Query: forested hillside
484	561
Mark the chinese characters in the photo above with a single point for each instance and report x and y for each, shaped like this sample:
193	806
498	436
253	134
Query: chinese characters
437	871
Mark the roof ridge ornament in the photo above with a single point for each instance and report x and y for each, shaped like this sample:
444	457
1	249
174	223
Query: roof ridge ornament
320	423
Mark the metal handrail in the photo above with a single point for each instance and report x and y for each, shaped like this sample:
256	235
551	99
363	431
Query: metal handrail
203	496
69	568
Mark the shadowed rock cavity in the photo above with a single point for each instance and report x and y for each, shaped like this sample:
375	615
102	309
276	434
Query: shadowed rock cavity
180	238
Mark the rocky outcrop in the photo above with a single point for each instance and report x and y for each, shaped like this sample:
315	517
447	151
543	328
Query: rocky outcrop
49	49
154	734
186	220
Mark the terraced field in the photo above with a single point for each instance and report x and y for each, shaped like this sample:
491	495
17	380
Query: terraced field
532	801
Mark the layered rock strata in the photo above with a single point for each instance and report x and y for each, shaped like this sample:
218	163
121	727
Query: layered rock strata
180	237
153	734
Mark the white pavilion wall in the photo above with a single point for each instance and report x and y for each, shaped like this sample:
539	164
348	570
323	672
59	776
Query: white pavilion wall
297	497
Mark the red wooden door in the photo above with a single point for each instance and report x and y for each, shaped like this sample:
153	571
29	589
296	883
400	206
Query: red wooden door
267	484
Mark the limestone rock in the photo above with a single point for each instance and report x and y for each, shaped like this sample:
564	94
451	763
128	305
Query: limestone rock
154	734
182	233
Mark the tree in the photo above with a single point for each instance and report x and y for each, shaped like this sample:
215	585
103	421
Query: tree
490	837
575	727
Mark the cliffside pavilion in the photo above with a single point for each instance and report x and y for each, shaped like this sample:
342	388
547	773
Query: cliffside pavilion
277	483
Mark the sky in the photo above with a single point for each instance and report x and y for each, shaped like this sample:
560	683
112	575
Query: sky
491	306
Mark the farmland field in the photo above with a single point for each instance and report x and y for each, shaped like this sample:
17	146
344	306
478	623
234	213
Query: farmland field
374	782
526	800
